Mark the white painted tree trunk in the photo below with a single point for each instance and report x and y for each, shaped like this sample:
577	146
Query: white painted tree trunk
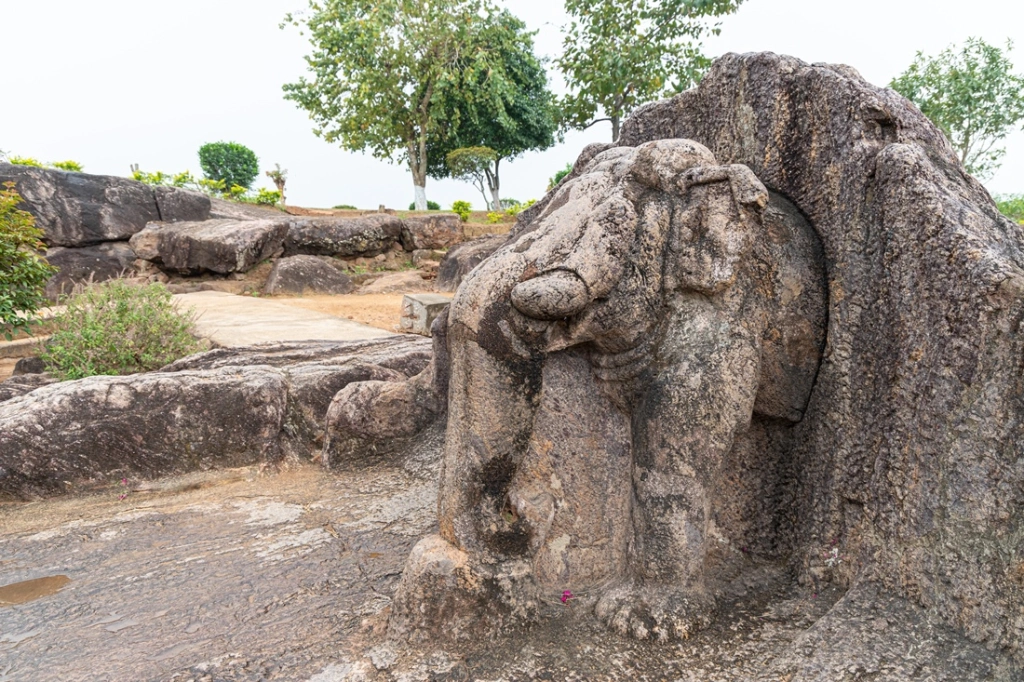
495	199
421	198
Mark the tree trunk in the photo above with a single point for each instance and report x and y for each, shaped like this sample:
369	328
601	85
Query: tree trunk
615	128
494	185
420	202
418	166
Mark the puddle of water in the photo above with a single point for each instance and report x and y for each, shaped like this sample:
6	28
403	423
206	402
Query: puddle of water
29	590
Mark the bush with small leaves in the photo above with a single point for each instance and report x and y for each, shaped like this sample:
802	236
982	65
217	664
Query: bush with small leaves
553	182
345	207
431	206
23	274
231	162
1011	206
72	166
267	197
494	218
463	209
25	161
119	328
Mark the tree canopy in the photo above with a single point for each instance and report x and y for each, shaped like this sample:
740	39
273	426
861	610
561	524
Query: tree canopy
972	95
618	54
391	75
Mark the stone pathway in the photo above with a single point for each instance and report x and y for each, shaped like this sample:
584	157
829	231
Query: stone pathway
230	321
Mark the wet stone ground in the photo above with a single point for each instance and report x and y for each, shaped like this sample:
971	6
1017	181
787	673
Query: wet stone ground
248	575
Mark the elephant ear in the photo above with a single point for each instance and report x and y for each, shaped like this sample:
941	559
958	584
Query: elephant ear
718	217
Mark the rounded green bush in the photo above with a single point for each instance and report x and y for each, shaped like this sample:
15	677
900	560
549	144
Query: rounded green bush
23	274
119	328
229	162
431	206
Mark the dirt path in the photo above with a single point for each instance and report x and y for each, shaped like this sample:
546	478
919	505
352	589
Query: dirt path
376	310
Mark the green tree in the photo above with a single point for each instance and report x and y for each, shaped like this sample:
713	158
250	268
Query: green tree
387	72
523	117
972	95
619	54
232	163
23	274
473	165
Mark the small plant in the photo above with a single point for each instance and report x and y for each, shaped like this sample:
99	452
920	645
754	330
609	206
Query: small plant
24	161
72	166
230	162
431	206
517	208
279	177
1011	206
494	217
344	207
559	176
23	274
463	208
509	203
268	197
118	328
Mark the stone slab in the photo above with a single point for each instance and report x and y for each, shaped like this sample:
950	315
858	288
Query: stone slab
420	310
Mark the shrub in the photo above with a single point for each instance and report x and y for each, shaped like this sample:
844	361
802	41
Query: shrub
24	161
118	328
279	176
267	197
463	208
518	208
72	166
342	207
431	206
23	274
509	203
559	176
1012	206
495	217
231	162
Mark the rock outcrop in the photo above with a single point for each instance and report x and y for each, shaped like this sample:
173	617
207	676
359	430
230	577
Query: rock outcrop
79	209
435	231
345	237
306	274
87	264
667	368
225	407
462	258
221	246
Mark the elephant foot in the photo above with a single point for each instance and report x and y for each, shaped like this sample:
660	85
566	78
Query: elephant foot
662	613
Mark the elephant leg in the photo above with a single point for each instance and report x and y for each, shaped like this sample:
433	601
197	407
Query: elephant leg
683	427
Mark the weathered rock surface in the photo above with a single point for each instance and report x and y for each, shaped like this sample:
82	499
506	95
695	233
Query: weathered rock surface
20	384
892	460
79	209
301	274
364	236
435	231
91	263
462	258
142	425
398	282
221	246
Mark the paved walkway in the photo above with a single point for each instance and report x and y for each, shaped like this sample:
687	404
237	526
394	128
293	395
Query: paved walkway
230	320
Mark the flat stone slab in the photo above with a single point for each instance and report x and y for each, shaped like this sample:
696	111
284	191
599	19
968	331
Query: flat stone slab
231	321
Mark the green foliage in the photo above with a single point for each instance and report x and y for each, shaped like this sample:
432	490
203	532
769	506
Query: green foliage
267	197
510	203
25	161
72	166
389	75
431	206
514	208
473	165
619	54
523	119
348	207
118	328
559	176
971	94
23	274
495	217
231	162
1011	206
463	209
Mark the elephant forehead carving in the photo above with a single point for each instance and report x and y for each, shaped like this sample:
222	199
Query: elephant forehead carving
631	231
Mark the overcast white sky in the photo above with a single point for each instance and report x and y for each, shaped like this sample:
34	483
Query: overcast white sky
110	83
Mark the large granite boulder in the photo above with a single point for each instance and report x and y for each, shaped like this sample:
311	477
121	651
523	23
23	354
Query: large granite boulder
70	433
643	405
221	246
87	264
79	209
346	237
434	231
225	407
306	274
462	258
